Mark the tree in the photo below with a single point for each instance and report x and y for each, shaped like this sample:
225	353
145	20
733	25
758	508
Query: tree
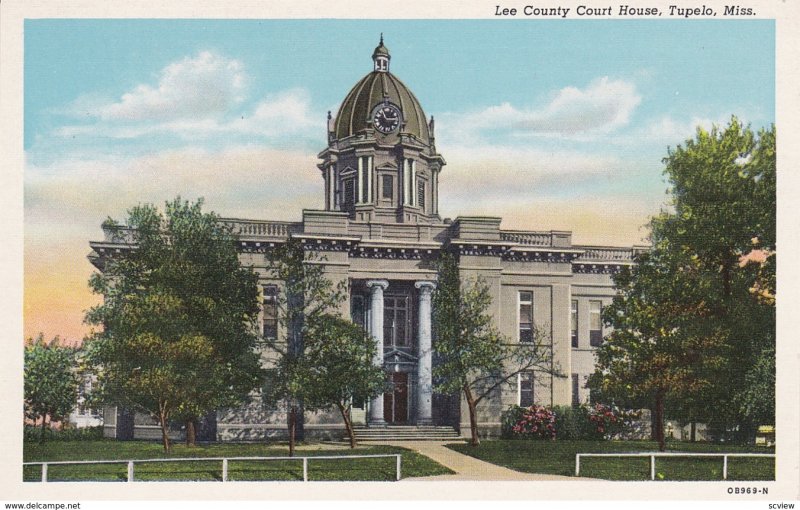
306	296
340	356
178	331
701	303
471	355
51	380
655	352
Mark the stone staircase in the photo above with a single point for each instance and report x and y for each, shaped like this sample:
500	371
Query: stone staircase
406	433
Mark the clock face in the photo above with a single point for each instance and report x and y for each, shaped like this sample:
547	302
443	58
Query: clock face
387	118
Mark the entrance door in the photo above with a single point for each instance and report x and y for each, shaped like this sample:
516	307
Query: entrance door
395	403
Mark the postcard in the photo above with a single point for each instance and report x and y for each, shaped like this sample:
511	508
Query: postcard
399	252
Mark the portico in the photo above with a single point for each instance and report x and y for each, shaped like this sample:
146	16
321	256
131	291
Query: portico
399	321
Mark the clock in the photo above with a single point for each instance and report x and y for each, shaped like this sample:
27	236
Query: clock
386	118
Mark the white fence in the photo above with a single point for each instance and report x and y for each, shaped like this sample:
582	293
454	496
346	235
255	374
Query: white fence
224	462
653	456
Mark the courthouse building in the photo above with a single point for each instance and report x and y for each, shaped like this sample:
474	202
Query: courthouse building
380	231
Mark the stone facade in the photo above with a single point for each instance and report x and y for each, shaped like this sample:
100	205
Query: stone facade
380	232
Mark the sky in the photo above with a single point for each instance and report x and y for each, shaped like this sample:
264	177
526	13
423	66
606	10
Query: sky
549	124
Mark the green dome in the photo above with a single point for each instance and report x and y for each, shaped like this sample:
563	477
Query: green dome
375	88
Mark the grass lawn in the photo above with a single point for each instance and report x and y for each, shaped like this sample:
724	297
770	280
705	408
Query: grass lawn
558	457
382	469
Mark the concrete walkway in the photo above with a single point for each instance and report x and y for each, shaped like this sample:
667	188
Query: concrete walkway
466	467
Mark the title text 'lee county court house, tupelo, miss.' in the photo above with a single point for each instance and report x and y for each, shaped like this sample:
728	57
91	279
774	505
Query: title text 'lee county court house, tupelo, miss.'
381	232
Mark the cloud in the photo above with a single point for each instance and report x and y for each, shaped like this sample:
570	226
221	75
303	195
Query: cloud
493	174
195	99
204	86
666	131
602	106
281	115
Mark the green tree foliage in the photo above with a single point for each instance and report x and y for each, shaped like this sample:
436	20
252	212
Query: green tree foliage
51	380
306	296
178	331
695	320
340	358
471	355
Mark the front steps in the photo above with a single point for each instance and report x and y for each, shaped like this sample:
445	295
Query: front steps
406	433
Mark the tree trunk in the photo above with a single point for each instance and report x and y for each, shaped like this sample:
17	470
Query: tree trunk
473	417
162	419
694	431
191	432
659	421
292	424
44	423
348	424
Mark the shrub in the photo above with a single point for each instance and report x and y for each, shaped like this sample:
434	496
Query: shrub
537	422
33	434
508	420
573	423
609	422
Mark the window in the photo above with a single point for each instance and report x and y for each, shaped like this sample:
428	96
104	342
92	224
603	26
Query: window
358	311
387	187
526	316
270	309
574	323
337	192
576	396
526	389
349	193
421	194
396	321
364	179
595	325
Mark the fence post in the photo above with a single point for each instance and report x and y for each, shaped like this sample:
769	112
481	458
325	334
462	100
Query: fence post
305	469
652	467
399	457
724	467
44	471
130	470
577	464
224	470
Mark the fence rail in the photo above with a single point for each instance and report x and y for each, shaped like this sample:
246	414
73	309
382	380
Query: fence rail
223	460
669	454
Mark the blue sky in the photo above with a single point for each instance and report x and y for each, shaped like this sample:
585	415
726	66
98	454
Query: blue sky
558	124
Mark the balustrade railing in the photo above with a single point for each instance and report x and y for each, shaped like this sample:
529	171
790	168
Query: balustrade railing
527	238
606	254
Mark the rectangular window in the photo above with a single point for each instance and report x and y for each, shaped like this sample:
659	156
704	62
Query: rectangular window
358	311
595	323
349	193
421	195
337	192
526	389
574	323
387	187
526	316
396	322
270	310
365	179
576	396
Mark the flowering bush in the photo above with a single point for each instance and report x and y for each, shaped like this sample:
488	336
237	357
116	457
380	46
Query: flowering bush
537	422
584	422
609	421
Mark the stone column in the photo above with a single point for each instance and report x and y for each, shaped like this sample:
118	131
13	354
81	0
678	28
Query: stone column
376	288
424	374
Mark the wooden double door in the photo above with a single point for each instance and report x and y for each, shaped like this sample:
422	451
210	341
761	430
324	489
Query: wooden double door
395	401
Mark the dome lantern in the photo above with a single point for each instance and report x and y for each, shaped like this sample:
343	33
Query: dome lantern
381	57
